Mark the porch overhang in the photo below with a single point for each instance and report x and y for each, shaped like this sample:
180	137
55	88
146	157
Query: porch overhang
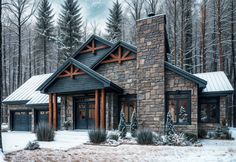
90	80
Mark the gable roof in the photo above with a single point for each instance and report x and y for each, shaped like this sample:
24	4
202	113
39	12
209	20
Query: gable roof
98	38
115	46
217	83
106	82
201	82
27	90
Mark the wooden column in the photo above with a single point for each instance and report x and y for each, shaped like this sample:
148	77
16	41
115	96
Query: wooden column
55	111
97	112
103	109
50	109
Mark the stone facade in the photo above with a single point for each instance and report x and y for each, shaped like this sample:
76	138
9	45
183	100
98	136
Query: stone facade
151	72
175	82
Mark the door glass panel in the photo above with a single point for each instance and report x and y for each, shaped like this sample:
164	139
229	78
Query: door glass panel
82	119
91	118
183	115
172	109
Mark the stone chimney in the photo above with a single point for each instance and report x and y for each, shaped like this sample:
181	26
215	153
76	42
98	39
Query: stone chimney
151	56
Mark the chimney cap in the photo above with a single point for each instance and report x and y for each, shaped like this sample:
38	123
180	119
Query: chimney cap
151	14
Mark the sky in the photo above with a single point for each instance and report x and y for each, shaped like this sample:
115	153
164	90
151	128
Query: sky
91	10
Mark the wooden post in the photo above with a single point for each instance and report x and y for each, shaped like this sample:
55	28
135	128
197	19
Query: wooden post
55	111
103	111
50	109
97	112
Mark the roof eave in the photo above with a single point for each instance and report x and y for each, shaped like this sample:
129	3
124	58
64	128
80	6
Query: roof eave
216	93
201	83
19	102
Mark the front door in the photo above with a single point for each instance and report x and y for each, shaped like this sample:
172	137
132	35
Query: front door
84	112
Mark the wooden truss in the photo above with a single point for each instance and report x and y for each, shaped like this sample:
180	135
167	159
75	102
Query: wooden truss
93	48
119	57
71	71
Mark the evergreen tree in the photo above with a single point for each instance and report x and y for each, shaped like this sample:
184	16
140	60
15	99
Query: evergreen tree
70	23
134	124
183	116
170	130
114	24
44	28
122	125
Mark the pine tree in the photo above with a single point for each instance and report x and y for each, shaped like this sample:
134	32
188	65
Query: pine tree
70	23
114	24
122	125
170	130
44	27
183	116
134	124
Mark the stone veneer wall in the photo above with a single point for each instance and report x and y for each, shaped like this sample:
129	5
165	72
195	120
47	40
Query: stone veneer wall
21	107
67	110
175	82
211	126
124	74
151	72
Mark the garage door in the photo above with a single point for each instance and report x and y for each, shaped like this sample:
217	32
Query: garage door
42	116
21	120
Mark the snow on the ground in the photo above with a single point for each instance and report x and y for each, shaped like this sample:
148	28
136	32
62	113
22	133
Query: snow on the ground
1	157
13	141
212	151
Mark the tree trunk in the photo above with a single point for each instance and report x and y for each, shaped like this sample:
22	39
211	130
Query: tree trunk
219	35
1	73
175	31
182	36
19	65
203	37
30	57
44	55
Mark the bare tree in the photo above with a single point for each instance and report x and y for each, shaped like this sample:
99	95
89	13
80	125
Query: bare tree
136	7
1	87
18	16
152	6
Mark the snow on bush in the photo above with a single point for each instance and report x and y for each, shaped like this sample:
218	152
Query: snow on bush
32	145
134	124
113	135
4	127
122	125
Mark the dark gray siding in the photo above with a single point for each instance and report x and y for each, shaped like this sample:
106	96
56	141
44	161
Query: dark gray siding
79	83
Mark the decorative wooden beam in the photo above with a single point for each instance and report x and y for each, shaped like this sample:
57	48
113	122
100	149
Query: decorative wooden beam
71	72
97	112
50	109
103	109
92	48
55	111
119	57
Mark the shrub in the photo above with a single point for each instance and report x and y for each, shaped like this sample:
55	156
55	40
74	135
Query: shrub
202	133
145	137
191	137
67	124
97	136
45	132
113	135
32	145
134	124
122	125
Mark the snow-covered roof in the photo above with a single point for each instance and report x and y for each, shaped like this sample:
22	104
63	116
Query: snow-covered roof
27	93
217	82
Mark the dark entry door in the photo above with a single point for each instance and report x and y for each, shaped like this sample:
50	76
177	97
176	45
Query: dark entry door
85	112
21	120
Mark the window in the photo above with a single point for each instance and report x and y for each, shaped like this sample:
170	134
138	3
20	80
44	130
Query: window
209	110
128	105
179	105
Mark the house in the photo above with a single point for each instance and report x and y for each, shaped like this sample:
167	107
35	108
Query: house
104	77
26	106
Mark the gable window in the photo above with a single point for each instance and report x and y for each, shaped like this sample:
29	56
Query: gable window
179	105
128	105
209	111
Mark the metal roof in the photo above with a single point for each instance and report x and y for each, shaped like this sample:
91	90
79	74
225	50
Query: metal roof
27	91
217	82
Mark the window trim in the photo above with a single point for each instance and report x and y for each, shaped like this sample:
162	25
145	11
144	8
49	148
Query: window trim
189	111
209	100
